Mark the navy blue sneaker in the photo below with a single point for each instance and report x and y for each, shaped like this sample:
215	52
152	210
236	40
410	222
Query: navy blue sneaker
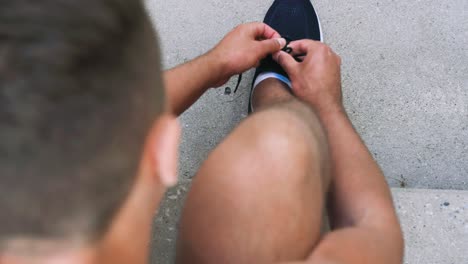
293	20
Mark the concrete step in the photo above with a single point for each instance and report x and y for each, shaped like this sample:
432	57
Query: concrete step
405	79
435	224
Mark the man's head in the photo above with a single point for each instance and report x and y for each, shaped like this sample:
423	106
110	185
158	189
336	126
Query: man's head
81	99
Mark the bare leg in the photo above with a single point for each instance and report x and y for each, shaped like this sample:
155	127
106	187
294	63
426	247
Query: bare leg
259	196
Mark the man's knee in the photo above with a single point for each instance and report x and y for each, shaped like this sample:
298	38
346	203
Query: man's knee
285	140
294	119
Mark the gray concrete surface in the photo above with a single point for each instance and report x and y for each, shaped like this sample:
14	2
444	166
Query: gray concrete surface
162	247
405	79
435	225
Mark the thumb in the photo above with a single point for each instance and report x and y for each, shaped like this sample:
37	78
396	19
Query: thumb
286	61
270	46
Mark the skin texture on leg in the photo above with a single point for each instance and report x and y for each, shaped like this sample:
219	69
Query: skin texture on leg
259	196
270	92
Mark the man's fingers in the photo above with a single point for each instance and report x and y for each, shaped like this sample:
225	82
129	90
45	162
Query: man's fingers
270	46
260	30
269	32
302	47
286	61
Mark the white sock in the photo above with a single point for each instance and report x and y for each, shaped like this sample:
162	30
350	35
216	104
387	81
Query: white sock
265	75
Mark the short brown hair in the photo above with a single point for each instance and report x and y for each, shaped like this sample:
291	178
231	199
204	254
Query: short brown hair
80	86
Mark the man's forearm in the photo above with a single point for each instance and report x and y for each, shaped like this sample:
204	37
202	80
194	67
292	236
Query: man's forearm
359	190
360	200
185	83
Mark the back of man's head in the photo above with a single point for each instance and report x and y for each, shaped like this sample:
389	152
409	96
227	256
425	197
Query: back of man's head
79	88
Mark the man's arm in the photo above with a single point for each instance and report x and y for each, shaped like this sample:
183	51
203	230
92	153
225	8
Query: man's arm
363	217
366	228
239	51
187	82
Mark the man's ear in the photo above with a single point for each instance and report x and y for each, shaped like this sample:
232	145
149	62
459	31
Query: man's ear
163	149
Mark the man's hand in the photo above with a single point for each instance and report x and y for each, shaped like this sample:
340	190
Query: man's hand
317	79
240	50
244	47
